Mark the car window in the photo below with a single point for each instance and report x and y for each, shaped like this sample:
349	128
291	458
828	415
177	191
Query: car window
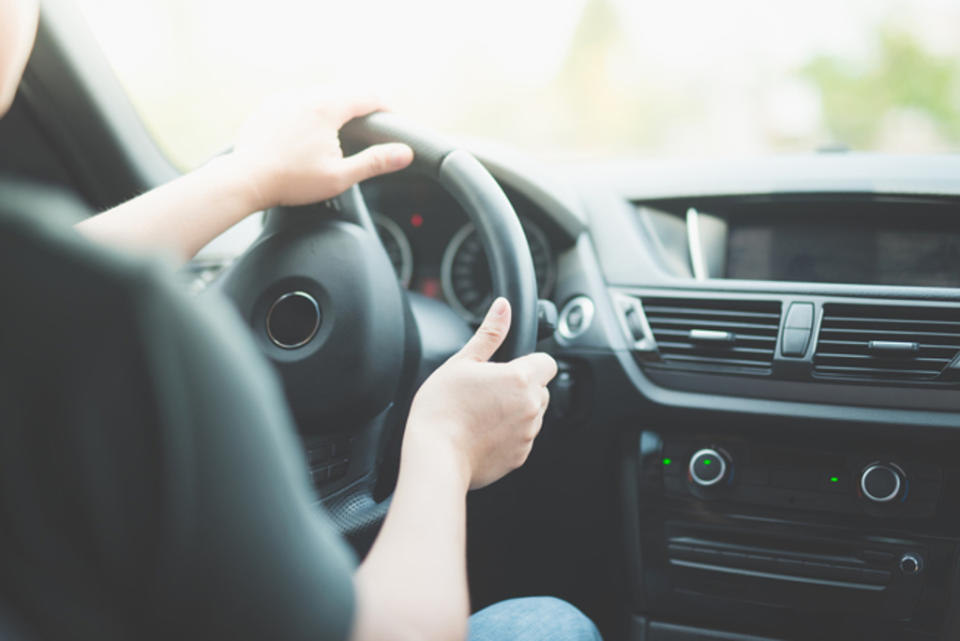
558	77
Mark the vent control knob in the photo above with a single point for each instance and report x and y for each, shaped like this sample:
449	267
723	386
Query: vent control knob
708	468
911	564
881	482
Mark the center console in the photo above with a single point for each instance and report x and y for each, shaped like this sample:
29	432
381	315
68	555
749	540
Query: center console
794	468
747	536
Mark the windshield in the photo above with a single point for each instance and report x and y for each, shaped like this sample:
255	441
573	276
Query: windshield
580	78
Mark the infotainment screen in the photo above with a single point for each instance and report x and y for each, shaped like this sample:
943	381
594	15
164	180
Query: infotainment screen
921	251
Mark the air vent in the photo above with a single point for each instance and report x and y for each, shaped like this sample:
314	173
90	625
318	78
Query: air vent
886	342
715	335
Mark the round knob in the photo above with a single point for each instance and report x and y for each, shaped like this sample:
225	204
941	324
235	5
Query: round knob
707	467
881	483
911	564
293	320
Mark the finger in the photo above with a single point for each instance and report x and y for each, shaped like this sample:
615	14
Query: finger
539	367
490	335
375	160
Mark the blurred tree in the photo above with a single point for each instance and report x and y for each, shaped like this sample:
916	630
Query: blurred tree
903	76
599	85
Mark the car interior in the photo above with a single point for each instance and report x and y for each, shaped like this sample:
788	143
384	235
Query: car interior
753	432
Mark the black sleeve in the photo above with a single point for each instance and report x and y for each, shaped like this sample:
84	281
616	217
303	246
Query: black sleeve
253	554
151	483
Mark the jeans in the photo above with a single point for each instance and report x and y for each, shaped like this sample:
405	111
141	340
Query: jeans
532	619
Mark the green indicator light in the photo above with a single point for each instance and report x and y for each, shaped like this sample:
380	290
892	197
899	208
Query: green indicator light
707	461
667	461
834	479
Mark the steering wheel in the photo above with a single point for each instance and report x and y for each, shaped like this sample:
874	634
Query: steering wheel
325	306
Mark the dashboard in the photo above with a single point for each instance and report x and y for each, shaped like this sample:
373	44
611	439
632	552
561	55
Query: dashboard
755	423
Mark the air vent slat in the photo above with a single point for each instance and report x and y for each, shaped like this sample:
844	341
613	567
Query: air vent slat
853	348
844	343
847	331
690	358
881	334
753	326
660	310
899	323
730	350
741	338
940	362
893	372
705	323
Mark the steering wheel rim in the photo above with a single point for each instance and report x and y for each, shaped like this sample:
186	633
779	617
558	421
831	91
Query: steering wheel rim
481	197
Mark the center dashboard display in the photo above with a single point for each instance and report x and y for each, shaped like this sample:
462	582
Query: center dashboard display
918	251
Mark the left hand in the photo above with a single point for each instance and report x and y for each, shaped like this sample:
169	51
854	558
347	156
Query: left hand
290	148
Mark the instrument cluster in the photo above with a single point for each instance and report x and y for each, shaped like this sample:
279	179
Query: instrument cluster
435	249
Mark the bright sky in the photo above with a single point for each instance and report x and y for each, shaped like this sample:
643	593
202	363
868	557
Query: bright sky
194	67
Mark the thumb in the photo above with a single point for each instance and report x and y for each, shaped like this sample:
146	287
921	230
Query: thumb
376	160
491	333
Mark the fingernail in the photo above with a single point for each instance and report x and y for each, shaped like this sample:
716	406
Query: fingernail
499	307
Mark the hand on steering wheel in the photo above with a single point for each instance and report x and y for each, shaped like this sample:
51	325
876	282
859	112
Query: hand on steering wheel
290	148
488	414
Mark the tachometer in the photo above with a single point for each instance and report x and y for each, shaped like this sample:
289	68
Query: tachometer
465	273
397	246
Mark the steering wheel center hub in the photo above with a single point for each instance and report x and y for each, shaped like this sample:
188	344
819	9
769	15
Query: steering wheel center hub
326	308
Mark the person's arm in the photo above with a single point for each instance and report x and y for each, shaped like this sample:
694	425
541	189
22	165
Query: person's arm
471	423
287	153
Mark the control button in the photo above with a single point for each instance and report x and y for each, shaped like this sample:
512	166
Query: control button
293	320
911	564
800	316
795	341
707	468
575	317
881	483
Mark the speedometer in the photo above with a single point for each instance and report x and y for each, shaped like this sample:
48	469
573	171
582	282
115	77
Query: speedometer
465	273
397	246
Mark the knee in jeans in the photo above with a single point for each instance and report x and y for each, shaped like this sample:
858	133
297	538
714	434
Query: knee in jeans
533	619
576	626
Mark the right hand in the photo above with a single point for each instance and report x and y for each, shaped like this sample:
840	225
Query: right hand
490	413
